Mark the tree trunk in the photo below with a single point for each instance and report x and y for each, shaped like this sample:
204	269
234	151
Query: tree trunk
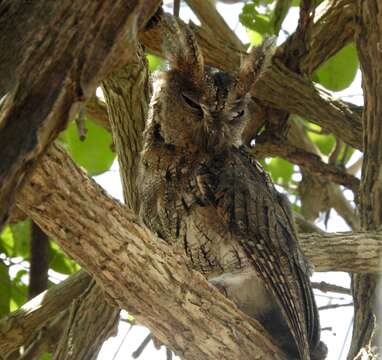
368	38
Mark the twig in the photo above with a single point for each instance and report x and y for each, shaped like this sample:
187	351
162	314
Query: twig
80	122
168	354
306	160
335	152
334	306
326	287
121	343
327	328
210	17
142	347
176	8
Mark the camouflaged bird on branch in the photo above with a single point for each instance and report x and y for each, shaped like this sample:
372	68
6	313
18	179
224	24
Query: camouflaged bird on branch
201	190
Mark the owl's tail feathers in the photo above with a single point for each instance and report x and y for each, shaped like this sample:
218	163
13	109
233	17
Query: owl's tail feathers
320	352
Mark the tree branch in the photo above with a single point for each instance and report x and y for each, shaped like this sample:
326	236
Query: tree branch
326	287
17	328
350	252
89	42
39	261
303	97
90	323
307	161
107	239
97	112
127	95
367	317
309	102
45	339
210	17
64	202
333	29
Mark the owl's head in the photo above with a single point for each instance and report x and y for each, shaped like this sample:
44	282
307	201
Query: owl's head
195	106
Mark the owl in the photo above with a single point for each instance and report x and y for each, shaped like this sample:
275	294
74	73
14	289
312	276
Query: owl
202	191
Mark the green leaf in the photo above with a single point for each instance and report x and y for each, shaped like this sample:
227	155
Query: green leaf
154	62
7	242
59	262
45	356
339	71
94	153
5	289
324	142
296	208
255	38
19	290
21	234
346	156
263	2
255	21
281	170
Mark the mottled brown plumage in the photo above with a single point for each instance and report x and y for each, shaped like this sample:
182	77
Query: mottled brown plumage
201	190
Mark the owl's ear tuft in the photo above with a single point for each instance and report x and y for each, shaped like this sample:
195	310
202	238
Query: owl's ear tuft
182	49
254	64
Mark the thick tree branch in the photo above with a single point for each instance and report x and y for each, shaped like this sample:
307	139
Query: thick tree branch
343	252
350	252
45	339
108	240
367	319
55	190
90	323
90	40
334	28
17	328
310	102
127	94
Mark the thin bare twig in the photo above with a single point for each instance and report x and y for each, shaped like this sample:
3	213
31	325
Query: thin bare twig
334	306
326	287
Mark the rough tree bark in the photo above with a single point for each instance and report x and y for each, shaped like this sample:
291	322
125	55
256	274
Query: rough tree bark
72	67
18	327
72	209
90	323
366	330
89	41
127	92
112	245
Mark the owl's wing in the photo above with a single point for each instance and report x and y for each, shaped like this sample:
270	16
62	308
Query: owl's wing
247	202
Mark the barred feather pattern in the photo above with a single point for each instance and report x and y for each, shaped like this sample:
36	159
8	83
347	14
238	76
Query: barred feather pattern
225	213
202	192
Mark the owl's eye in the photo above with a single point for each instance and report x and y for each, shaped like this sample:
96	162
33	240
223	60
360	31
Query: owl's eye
192	104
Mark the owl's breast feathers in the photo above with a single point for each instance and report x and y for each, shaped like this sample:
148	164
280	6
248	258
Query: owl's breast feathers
224	210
